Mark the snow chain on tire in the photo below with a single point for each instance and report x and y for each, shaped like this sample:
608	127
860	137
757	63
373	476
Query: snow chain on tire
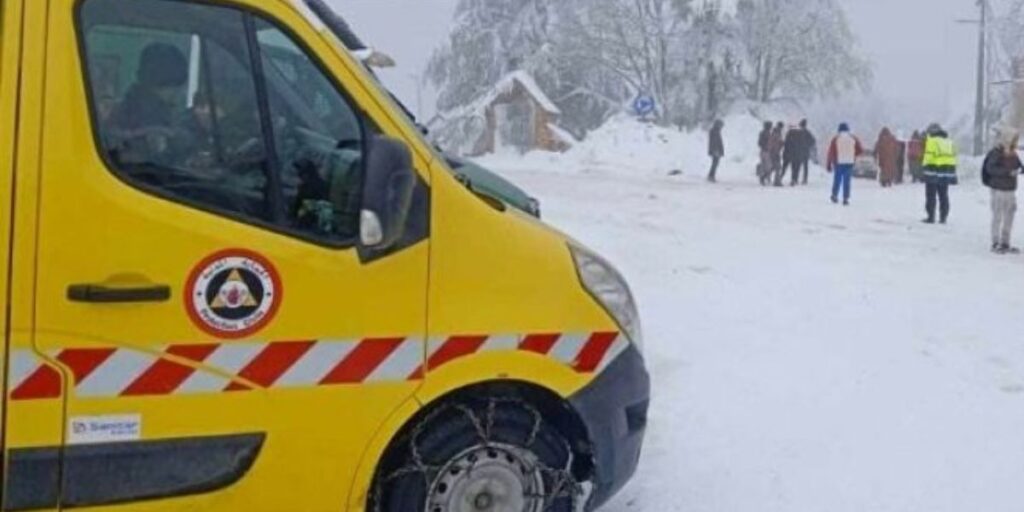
562	481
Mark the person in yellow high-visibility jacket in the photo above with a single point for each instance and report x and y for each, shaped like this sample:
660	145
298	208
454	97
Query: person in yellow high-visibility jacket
940	163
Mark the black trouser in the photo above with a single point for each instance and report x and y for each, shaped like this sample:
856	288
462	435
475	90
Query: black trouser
714	167
937	193
801	164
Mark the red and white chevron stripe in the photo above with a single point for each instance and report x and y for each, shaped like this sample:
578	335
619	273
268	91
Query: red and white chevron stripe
243	366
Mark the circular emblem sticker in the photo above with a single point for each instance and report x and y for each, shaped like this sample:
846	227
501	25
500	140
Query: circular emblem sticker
233	293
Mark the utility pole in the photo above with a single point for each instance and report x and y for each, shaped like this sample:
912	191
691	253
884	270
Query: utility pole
979	106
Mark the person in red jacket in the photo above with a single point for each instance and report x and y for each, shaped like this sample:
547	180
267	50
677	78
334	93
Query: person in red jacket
842	155
887	154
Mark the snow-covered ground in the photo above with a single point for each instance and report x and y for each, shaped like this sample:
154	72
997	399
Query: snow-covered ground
807	357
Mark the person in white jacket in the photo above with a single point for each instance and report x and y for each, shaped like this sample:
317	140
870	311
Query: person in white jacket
842	155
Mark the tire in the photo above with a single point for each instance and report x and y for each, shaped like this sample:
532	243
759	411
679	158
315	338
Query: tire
486	454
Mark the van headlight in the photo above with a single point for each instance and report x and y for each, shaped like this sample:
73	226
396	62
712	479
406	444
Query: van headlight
610	290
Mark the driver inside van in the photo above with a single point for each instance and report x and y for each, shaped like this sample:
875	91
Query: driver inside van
143	122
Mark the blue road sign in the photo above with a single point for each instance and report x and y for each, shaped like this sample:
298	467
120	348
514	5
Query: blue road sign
643	105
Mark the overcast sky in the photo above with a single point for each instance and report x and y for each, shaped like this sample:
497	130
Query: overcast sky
924	61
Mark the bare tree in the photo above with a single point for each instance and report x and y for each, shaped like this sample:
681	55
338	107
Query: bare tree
694	57
798	49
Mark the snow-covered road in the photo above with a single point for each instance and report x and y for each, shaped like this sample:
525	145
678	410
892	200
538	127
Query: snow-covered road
808	357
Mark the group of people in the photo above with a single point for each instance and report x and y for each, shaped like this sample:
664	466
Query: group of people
894	156
931	156
785	151
938	166
782	151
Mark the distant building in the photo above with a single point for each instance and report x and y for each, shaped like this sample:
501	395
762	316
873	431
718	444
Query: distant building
515	114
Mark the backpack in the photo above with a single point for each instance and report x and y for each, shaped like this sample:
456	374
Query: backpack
986	178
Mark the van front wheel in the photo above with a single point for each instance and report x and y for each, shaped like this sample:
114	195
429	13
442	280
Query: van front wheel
480	455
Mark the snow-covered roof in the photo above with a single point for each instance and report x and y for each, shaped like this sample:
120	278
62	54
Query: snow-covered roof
528	83
504	86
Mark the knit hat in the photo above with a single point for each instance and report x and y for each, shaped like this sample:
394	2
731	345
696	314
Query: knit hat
844	127
1007	136
163	65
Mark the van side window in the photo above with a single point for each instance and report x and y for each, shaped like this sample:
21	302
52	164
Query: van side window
174	94
219	109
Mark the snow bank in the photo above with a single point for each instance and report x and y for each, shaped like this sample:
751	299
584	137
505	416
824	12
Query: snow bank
626	146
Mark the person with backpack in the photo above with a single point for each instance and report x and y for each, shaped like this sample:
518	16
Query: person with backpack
999	173
940	164
716	148
842	155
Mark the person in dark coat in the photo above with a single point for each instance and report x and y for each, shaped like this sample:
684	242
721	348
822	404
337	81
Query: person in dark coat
764	167
789	153
716	148
142	125
999	173
799	146
901	161
776	143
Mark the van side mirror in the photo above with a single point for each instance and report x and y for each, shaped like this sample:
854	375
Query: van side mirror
387	192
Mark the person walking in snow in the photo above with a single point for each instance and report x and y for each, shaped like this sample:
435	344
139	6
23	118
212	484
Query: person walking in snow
789	147
999	173
887	154
901	162
842	155
764	143
799	146
716	148
776	144
940	163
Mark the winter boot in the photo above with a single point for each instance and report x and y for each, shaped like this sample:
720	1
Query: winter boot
835	200
1008	249
929	220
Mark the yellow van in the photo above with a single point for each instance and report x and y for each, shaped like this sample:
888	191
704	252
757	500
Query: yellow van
235	277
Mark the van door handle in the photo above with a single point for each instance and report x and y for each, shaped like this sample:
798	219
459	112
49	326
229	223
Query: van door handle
102	294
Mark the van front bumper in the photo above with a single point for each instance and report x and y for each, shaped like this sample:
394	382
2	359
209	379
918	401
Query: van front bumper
614	410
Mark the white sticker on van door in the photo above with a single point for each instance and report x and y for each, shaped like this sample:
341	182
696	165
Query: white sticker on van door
104	429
